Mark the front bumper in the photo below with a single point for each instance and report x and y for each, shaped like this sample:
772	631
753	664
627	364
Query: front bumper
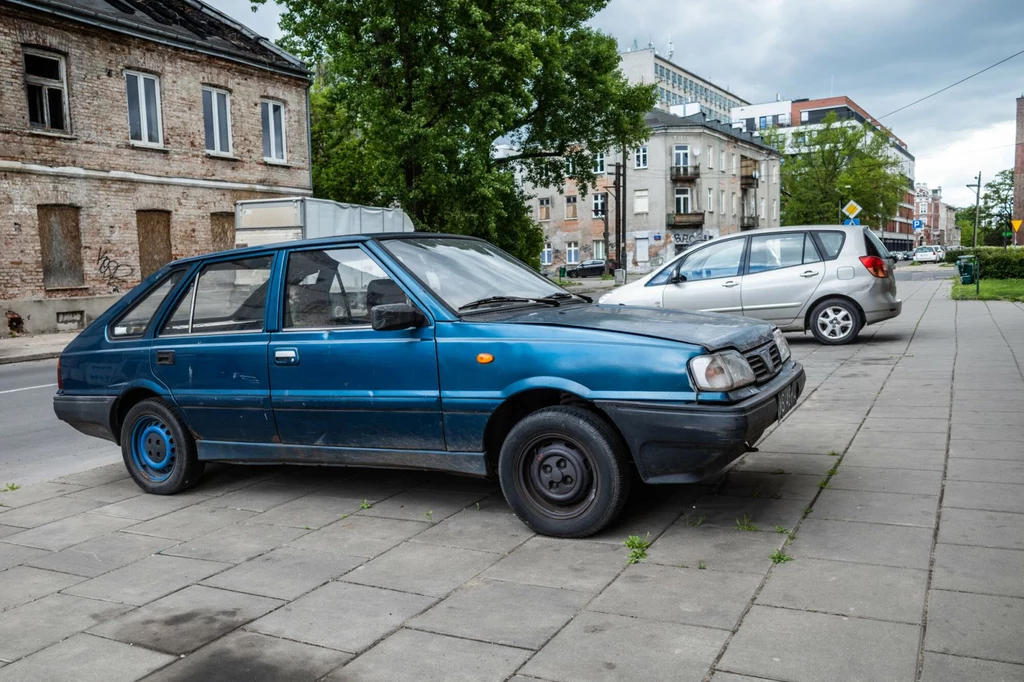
90	414
685	443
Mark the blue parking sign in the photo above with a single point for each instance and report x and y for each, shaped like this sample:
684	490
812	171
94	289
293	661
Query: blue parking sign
918	224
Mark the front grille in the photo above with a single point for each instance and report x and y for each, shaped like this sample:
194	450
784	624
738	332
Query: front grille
766	361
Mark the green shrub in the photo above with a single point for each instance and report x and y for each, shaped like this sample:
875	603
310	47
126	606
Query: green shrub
996	262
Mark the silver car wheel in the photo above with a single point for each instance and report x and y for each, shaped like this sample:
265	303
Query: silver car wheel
835	322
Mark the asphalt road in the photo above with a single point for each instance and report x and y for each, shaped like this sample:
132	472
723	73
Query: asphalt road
34	445
929	271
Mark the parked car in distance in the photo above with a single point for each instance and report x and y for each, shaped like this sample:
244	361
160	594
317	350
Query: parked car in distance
928	254
420	351
588	268
829	279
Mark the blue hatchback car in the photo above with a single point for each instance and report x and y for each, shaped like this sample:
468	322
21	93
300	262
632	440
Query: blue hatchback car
427	352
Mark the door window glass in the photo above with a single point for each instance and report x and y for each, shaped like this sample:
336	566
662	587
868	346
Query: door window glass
335	288
230	297
716	260
134	322
774	251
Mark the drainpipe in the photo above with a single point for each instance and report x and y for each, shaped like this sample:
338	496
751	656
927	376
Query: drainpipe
309	137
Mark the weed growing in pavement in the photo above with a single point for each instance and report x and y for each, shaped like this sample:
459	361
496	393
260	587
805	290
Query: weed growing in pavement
10	488
745	523
780	557
365	504
781	529
807	512
343	516
823	483
306	528
756	493
779	472
430	515
701	565
833	453
478	506
693	523
833	471
638	547
777	496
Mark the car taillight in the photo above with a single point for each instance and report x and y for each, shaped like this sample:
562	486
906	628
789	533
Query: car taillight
875	265
60	379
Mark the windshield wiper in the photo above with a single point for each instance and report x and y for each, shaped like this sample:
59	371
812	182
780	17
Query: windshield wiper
509	299
560	295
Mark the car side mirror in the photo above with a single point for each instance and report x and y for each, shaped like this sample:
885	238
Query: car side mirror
394	316
677	278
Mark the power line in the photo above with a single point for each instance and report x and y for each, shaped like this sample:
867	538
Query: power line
953	85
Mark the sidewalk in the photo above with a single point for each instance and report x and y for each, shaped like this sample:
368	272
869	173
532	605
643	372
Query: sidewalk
33	346
892	501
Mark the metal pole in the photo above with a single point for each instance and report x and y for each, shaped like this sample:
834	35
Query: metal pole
622	243
618	211
977	207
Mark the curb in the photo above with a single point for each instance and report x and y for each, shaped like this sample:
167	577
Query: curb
31	357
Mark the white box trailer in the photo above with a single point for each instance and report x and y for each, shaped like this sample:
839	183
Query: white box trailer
266	221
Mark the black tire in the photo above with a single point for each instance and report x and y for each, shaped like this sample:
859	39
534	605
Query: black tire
835	322
564	472
158	451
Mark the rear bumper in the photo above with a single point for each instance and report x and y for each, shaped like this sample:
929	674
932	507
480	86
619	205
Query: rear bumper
685	443
90	414
893	309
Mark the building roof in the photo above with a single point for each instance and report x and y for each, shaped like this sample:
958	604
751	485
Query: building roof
662	119
686	71
186	24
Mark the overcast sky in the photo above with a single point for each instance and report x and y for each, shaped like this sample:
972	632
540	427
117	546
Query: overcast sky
883	54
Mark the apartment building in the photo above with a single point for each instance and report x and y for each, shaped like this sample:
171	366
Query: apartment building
938	218
677	85
128	130
793	117
694	179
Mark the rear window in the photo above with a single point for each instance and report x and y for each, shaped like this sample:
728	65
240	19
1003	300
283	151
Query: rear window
831	243
133	323
874	246
231	297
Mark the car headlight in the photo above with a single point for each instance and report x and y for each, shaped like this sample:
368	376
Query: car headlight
723	371
780	341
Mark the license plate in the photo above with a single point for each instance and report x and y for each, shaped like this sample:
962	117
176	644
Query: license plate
787	399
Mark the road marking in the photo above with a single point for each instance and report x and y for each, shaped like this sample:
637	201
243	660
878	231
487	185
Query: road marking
27	388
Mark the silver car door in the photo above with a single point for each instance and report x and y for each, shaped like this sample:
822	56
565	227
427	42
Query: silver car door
783	271
708	279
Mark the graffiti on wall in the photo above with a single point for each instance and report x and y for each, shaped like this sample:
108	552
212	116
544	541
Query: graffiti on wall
115	273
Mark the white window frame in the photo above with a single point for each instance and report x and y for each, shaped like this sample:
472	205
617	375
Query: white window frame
683	193
711	157
216	127
599	204
645	195
761	213
734	203
545	254
540	209
680	152
599	162
711	200
775	208
572	200
721	201
721	159
143	111
604	249
640	157
570	248
735	168
47	83
271	103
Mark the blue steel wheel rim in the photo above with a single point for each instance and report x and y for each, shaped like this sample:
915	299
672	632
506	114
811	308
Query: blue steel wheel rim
153	449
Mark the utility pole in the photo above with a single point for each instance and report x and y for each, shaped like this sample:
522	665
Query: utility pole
622	241
977	206
618	210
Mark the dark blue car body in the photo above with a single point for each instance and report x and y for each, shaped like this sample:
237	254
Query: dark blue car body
421	397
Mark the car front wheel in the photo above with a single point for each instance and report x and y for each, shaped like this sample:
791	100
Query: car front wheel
835	322
158	451
564	472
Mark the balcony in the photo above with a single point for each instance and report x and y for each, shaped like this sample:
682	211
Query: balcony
685	173
749	180
748	222
686	219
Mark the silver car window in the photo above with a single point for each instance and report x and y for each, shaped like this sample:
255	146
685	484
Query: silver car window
785	250
715	260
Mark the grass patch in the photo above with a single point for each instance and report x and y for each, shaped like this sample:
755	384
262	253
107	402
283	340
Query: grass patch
780	557
9	488
990	290
914	263
746	524
637	547
607	278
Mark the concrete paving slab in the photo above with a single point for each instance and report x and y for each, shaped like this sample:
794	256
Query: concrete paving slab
599	646
93	659
871	507
635	521
568	564
474	529
313	476
310	512
460	484
98	476
191	522
8	530
713	599
413	656
422	569
981	528
47	511
986	449
147	579
1008	430
109	492
375	485
988	496
68	532
413	505
146	507
40	623
981	417
884	480
99	555
724	511
847	589
35	493
718	549
186	620
800	646
285	573
15	555
364	536
986	470
978	569
890	458
884	422
369	614
22	584
901	440
253	657
260	497
730	677
976	625
766	485
234	544
785	463
811	441
866	543
220	478
946	668
527	617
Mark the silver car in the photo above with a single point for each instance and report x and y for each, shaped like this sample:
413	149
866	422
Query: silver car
829	279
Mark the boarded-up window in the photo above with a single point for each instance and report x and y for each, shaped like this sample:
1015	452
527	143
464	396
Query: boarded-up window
154	240
222	231
61	245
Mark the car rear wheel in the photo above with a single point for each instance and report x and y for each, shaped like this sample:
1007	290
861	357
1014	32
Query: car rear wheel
564	472
835	322
158	450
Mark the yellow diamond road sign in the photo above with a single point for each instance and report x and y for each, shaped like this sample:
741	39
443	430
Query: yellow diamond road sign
852	209
1016	224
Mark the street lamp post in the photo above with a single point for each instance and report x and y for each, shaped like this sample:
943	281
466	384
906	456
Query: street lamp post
977	204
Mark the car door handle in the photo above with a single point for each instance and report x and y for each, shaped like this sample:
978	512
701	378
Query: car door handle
730	284
286	356
165	357
809	273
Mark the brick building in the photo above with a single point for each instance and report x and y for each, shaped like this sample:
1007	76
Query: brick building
937	217
128	129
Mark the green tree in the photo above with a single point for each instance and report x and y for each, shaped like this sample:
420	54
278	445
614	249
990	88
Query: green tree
411	99
997	207
825	167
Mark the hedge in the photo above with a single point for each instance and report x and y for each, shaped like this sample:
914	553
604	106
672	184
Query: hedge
996	262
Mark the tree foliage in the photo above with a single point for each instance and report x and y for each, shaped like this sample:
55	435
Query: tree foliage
994	212
819	163
411	99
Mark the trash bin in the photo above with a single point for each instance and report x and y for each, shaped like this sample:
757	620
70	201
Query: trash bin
561	272
968	269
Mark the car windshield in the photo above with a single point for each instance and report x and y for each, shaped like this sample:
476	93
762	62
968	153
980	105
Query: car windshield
464	271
